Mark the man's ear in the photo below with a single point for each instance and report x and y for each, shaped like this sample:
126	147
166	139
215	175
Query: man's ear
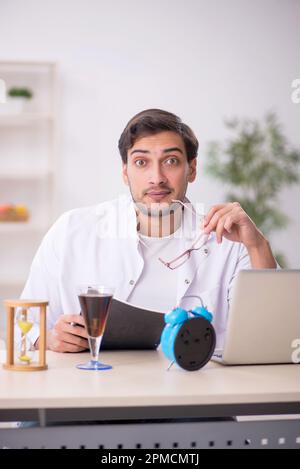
124	174
192	170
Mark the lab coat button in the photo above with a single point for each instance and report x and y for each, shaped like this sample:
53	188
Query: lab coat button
187	281
131	282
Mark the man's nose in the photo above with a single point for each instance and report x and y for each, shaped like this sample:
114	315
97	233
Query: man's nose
157	176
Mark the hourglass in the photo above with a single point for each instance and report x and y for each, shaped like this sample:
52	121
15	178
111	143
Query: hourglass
24	350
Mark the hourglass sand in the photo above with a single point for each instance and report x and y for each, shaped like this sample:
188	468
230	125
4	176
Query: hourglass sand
24	325
22	321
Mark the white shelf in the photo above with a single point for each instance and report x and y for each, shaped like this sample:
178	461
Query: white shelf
21	175
28	167
12	284
21	227
24	119
25	65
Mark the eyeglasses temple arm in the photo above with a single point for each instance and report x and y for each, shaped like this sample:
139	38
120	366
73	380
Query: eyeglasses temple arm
188	208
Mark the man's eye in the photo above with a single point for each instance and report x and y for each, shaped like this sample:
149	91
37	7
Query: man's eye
172	161
140	162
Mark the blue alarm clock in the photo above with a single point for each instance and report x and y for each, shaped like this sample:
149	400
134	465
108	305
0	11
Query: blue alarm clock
189	338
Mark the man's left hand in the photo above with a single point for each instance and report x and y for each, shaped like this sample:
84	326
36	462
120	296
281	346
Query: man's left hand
232	222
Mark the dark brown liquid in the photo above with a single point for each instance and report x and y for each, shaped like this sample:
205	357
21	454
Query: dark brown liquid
95	309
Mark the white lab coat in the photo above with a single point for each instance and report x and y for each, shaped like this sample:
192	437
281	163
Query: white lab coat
100	245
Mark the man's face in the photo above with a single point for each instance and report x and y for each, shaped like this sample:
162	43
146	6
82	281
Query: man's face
158	171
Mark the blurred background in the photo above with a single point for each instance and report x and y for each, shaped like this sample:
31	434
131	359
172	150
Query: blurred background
77	71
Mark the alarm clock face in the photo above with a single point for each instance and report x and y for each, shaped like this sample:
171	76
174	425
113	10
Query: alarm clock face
194	344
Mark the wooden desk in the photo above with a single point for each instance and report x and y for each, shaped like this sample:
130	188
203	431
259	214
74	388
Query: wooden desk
140	387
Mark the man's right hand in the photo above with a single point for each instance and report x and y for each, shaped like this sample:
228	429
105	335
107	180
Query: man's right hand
66	337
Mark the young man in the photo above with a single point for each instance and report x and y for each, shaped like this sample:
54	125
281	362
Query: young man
151	246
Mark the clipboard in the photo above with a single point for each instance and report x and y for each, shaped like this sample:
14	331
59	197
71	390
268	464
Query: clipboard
131	327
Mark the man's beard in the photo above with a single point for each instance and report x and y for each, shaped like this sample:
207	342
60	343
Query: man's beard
157	209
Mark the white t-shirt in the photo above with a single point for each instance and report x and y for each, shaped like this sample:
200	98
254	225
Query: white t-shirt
157	286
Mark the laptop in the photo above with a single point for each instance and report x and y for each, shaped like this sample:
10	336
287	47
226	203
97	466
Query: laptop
264	319
131	327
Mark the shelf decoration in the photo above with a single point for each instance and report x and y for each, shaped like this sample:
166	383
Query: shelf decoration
17	97
10	212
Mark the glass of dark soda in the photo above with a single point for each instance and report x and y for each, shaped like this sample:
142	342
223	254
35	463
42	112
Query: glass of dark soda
95	302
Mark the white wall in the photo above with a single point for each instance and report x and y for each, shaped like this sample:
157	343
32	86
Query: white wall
204	60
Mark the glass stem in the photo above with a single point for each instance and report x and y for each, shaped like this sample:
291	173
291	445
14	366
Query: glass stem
95	343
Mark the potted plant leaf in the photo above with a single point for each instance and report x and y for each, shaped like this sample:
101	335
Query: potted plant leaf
255	164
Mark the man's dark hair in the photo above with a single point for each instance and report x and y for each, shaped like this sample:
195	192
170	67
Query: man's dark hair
154	121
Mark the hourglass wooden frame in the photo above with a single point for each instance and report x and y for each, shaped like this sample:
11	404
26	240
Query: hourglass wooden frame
11	306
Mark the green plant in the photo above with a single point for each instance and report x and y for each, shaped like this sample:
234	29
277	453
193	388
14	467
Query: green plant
256	163
20	92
